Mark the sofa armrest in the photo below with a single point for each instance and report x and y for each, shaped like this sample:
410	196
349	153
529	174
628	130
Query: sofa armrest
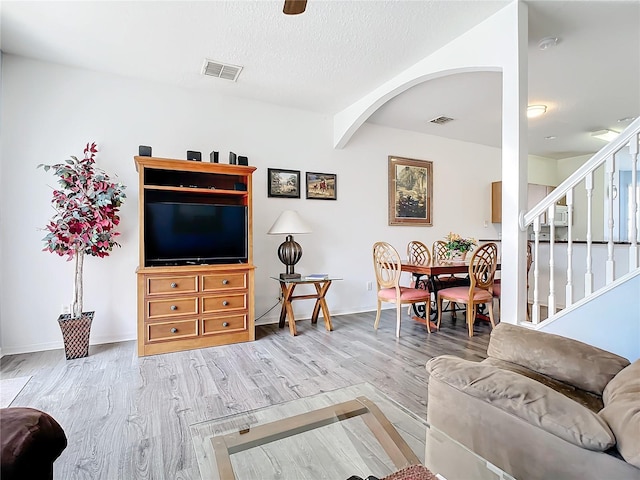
570	361
622	411
526	399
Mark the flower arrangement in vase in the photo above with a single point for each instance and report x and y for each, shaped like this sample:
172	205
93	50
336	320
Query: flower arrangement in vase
458	246
85	220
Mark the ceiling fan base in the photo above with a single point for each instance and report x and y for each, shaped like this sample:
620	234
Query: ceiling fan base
294	7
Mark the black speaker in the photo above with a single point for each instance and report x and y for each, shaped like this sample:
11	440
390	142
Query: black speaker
232	158
242	160
240	186
144	151
195	156
213	157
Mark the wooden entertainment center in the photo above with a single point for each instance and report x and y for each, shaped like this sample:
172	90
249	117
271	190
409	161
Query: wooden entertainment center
194	305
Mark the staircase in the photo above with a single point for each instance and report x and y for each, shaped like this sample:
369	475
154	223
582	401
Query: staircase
568	274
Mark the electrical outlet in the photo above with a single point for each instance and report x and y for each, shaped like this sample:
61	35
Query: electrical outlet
369	286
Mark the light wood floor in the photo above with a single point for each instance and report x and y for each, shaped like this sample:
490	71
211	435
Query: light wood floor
128	418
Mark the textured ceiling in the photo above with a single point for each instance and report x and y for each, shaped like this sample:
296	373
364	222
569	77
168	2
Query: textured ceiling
322	60
337	51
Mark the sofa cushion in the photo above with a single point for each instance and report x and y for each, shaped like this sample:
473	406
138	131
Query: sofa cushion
526	399
588	399
567	360
622	411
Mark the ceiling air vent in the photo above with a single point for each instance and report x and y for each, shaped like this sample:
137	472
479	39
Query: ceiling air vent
441	120
221	70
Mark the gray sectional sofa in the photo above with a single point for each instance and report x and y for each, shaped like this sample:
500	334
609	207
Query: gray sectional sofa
541	406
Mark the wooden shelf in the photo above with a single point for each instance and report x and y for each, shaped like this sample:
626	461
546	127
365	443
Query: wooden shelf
204	191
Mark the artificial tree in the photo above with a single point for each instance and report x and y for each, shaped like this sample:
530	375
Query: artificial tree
86	215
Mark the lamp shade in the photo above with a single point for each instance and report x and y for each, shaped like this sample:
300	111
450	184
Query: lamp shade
288	223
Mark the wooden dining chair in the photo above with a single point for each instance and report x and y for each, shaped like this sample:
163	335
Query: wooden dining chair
439	249
387	266
482	270
418	254
497	283
439	253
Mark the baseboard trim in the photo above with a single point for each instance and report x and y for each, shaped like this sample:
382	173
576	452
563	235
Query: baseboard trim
59	345
271	319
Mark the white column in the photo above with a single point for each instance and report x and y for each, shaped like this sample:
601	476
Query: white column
569	286
535	308
588	276
513	301
609	169
633	210
551	299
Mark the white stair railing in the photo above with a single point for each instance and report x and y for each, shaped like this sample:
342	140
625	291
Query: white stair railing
602	266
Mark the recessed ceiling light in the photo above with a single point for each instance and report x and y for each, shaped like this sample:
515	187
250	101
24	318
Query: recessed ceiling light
550	137
534	111
547	42
626	119
606	135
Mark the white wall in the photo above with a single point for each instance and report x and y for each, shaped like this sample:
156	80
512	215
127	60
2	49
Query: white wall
616	311
542	171
49	112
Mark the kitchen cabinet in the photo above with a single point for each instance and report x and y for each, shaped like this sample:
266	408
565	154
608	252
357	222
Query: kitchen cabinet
535	193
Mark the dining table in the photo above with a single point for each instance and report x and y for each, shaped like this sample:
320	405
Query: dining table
433	270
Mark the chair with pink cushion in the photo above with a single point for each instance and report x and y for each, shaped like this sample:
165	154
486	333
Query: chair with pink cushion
482	269
418	254
439	254
387	266
497	284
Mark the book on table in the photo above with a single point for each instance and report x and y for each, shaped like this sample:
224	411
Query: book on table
317	276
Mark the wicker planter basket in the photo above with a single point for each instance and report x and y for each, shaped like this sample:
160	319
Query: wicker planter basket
75	333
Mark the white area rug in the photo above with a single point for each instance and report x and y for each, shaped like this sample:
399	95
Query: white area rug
10	388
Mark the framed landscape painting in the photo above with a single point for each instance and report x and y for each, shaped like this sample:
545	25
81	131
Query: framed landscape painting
321	186
410	191
283	183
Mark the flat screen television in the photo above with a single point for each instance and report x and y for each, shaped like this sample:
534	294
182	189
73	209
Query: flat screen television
179	233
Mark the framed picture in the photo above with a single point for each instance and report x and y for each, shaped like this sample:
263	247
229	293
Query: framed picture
410	191
283	183
321	186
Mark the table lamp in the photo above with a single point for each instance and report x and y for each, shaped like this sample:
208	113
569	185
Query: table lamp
289	252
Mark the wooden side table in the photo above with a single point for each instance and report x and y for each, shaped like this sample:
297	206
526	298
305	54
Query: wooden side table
289	285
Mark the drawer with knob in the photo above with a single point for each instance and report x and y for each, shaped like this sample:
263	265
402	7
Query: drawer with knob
172	307
224	324
224	281
172	285
181	329
223	303
186	307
